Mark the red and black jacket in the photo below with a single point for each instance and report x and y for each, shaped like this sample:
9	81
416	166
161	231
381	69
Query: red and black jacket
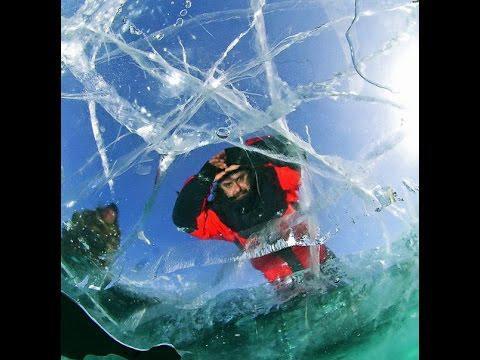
277	184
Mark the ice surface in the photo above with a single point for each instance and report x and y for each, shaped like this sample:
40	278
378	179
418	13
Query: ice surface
151	90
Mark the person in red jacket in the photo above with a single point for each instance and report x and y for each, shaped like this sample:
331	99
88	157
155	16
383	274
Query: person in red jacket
237	193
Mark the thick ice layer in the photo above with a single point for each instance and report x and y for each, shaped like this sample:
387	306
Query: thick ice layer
377	292
152	90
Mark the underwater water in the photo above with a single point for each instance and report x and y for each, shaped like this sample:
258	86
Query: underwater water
153	89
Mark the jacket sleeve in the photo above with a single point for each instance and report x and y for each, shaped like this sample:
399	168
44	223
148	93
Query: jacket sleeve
192	199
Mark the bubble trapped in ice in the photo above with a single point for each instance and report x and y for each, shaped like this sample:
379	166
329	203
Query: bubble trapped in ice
223	133
179	22
147	87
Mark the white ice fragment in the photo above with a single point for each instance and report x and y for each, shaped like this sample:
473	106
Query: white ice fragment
159	36
124	28
82	283
83	243
177	140
165	163
214	83
179	22
143	110
385	195
70	204
141	236
291	239
174	78
93	287
194	37
73	53
151	56
368	13
183	12
68	226
148	88
188	4
410	185
134	30
146	130
71	49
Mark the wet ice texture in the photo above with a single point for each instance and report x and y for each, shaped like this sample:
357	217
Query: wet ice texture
156	83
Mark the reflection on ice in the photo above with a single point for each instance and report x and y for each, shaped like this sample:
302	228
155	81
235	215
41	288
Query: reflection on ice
141	236
151	92
385	196
93	234
410	185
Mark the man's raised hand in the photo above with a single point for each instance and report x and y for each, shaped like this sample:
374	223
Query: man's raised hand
219	160
228	169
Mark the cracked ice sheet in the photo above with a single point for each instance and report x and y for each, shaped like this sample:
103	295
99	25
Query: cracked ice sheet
161	91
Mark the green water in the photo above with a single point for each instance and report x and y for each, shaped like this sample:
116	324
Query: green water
373	314
372	323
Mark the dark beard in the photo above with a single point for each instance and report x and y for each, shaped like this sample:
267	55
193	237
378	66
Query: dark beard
264	201
248	201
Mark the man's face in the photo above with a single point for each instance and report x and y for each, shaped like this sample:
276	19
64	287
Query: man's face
237	185
109	215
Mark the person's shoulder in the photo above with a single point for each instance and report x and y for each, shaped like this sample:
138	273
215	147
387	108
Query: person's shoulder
85	217
288	177
265	140
269	142
256	140
84	212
